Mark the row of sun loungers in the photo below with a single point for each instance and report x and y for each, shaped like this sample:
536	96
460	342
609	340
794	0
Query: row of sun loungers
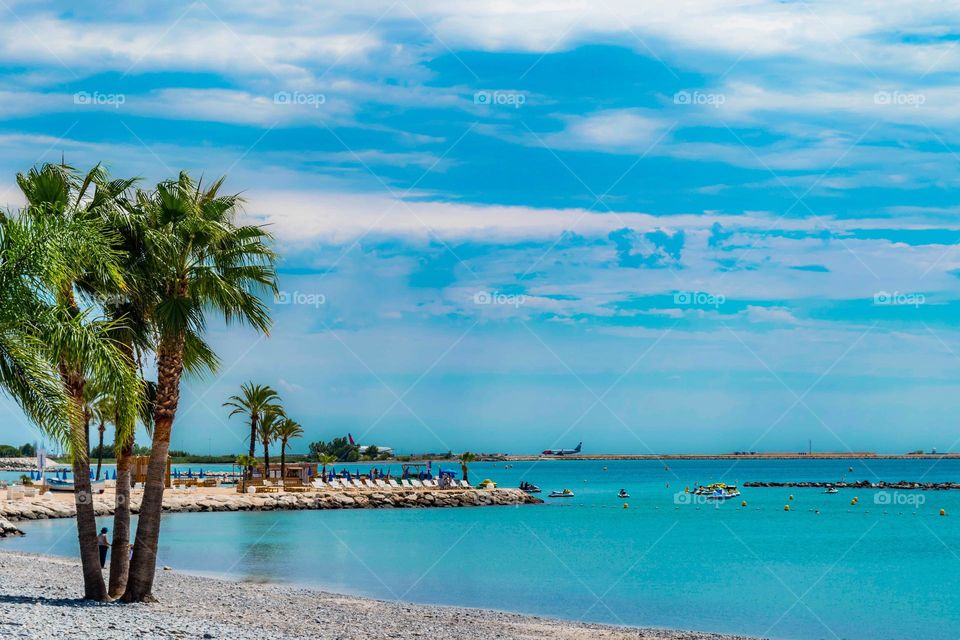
385	485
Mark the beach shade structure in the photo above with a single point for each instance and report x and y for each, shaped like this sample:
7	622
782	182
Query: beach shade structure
201	473
113	476
190	472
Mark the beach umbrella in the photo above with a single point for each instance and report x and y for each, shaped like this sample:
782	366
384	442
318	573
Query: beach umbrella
91	474
114	475
190	472
201	473
309	471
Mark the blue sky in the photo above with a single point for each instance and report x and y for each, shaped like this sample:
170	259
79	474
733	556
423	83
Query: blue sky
683	226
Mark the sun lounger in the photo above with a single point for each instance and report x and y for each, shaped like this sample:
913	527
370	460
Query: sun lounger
431	484
369	484
416	484
406	484
317	484
395	484
356	484
383	485
466	485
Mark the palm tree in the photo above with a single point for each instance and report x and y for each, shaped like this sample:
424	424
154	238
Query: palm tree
286	430
326	459
246	462
465	459
206	264
253	401
104	410
267	433
76	210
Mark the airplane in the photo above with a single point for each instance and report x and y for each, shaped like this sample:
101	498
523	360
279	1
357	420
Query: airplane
562	452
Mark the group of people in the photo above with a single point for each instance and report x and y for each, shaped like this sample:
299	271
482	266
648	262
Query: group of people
103	543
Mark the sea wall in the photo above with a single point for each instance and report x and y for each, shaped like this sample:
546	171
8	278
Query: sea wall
62	506
864	484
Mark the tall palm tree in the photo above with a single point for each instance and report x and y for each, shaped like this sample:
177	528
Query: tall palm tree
325	460
253	401
78	206
267	432
207	264
287	430
465	459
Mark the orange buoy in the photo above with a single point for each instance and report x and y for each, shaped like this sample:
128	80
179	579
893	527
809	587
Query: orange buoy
943	512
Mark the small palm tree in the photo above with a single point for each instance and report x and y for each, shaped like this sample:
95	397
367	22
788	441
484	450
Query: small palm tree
104	410
326	459
253	401
286	430
465	459
244	461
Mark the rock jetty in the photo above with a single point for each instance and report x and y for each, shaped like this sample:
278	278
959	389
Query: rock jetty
863	484
62	506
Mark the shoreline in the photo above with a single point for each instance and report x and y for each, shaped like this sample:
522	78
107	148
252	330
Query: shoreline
197	606
859	455
53	505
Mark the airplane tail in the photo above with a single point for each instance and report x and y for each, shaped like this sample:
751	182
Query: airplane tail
578	447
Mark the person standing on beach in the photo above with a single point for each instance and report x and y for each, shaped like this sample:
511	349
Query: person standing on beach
104	544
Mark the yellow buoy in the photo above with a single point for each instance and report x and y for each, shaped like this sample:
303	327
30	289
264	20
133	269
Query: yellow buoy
786	507
686	489
791	496
626	506
853	502
943	512
743	504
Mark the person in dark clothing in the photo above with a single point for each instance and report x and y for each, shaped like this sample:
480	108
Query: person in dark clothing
104	544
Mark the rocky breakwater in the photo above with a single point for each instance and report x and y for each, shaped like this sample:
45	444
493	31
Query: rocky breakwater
863	484
61	506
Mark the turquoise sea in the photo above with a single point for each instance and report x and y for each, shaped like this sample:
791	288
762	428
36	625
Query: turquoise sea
885	568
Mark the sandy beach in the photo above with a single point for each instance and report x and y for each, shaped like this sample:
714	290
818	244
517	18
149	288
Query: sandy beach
200	607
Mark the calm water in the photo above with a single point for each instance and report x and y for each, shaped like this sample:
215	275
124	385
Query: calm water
868	571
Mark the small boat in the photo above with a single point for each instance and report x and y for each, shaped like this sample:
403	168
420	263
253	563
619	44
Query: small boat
67	485
529	488
566	493
623	494
832	490
717	491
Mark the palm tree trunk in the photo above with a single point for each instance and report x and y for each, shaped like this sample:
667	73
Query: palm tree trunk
120	557
463	468
253	441
266	460
93	585
144	563
101	429
283	460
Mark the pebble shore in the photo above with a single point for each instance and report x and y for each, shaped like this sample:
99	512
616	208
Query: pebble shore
200	607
